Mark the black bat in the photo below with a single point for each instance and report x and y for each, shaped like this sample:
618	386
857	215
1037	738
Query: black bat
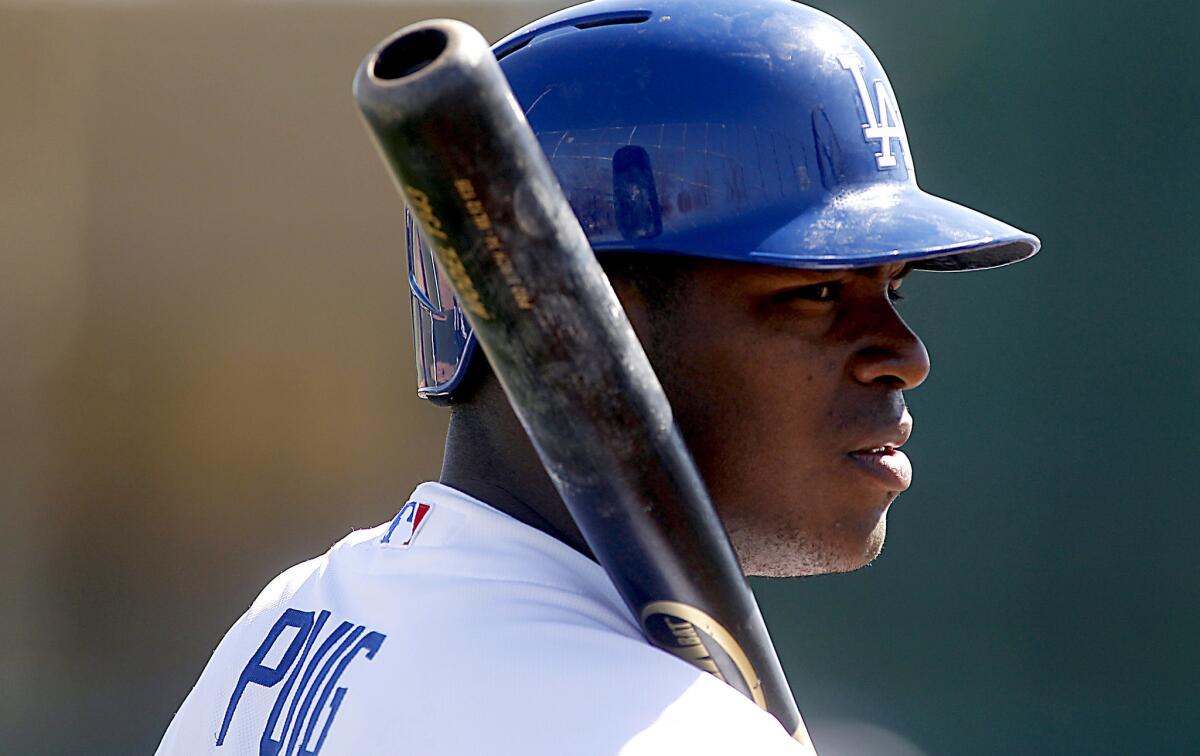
486	200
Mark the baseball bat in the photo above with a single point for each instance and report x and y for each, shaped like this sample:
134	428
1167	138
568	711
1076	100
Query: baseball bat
486	200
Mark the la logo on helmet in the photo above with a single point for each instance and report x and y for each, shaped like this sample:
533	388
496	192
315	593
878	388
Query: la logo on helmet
884	125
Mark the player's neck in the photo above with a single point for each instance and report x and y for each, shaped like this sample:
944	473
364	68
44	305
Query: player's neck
489	456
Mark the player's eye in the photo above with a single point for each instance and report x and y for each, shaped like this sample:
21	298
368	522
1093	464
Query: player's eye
829	291
894	290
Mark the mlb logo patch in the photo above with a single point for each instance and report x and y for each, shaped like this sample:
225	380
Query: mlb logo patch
407	522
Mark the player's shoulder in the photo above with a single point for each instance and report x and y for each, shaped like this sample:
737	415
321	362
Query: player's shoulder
437	536
532	639
441	546
528	678
606	692
415	609
360	650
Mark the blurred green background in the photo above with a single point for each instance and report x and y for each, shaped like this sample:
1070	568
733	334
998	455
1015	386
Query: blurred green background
205	369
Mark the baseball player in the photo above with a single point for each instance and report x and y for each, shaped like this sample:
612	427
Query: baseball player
742	170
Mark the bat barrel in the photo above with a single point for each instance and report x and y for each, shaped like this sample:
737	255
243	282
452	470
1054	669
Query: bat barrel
488	203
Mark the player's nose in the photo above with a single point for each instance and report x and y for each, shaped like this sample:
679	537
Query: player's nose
892	355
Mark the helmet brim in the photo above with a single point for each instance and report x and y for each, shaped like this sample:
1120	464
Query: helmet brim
885	224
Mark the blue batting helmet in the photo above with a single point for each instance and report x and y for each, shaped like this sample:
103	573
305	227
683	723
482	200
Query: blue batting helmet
759	131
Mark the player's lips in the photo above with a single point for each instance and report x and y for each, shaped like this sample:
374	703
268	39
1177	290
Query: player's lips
882	459
888	465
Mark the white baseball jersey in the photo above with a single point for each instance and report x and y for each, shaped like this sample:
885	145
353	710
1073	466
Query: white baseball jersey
454	629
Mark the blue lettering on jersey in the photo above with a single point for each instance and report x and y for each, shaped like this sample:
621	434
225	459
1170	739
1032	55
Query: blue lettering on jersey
318	673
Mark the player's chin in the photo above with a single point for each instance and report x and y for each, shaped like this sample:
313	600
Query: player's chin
860	552
844	548
854	550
